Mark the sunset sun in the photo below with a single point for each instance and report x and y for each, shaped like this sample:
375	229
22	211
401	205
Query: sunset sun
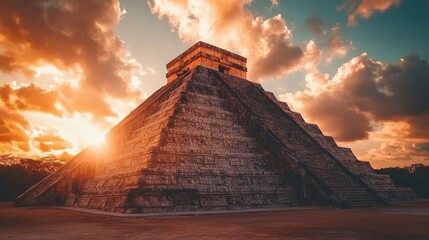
97	139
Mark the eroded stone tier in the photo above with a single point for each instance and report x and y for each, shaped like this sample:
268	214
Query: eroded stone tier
204	54
185	151
211	140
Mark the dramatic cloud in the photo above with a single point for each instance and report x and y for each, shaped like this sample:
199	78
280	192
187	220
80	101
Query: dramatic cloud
48	140
56	102
275	2
336	47
395	147
315	24
15	135
70	35
365	91
29	98
13	129
365	8
330	39
85	101
333	115
71	54
424	146
385	106
401	153
267	43
278	56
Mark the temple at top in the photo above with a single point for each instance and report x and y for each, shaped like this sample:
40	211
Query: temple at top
210	56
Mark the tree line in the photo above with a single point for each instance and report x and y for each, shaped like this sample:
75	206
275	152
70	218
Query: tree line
415	176
19	174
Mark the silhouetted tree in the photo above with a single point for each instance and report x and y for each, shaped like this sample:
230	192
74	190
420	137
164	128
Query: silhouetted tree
15	179
19	174
415	176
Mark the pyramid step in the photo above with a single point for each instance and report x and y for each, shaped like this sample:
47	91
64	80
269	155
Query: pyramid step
201	80
198	149
313	129
244	155
297	117
206	100
203	88
192	140
328	170
42	186
283	105
155	117
207	124
209	134
213	112
242	182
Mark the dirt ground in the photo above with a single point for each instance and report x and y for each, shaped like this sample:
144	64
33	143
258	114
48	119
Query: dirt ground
400	221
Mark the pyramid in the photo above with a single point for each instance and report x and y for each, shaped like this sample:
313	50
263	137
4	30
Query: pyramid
211	140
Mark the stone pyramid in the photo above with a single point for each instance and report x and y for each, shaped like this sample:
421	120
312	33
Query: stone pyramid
211	140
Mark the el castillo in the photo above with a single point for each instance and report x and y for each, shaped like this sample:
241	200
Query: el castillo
212	142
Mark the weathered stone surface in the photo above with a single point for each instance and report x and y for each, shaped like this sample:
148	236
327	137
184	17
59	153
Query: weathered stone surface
382	184
211	141
210	56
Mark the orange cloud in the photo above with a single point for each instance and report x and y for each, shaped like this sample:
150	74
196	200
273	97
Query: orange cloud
315	24
336	47
48	140
267	43
59	102
77	41
67	34
275	2
85	101
367	99
395	148
397	153
72	36
365	8
13	129
30	98
330	39
365	91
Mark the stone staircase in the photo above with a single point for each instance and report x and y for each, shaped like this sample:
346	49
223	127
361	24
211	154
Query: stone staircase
31	196
34	195
206	151
382	184
131	143
344	185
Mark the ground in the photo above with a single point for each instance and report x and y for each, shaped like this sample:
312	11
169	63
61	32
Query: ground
399	221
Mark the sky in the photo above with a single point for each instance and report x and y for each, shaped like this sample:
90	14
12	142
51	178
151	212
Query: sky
70	70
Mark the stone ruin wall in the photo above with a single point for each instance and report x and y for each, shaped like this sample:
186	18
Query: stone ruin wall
306	190
231	159
382	184
68	180
208	56
214	166
134	144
